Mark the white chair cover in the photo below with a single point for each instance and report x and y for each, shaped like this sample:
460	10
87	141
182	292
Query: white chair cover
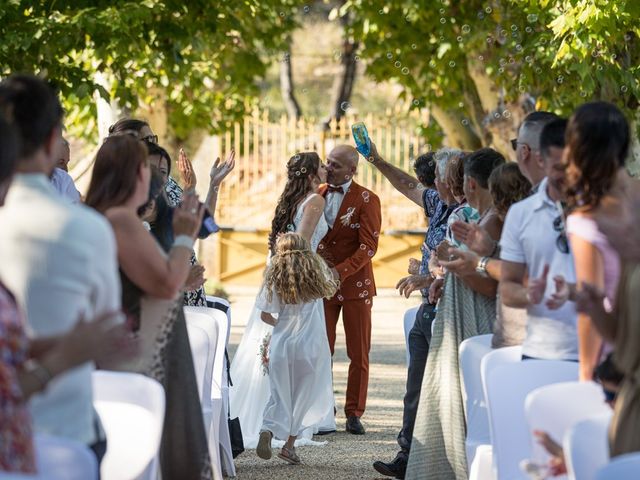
203	366
624	467
219	392
471	352
131	408
481	468
409	320
586	447
506	386
554	409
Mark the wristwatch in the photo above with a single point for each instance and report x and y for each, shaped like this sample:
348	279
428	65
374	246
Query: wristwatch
481	268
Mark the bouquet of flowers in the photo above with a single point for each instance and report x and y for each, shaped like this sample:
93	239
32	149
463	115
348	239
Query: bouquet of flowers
263	353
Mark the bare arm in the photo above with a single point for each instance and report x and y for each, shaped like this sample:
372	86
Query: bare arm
268	319
218	173
406	184
486	286
589	268
143	262
512	289
311	214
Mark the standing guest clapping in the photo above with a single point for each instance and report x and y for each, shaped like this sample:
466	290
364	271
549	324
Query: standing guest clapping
151	286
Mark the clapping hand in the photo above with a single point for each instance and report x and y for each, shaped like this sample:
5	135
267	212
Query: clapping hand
561	295
196	278
442	251
590	300
414	266
186	171
462	262
435	290
187	217
473	236
220	170
537	286
409	284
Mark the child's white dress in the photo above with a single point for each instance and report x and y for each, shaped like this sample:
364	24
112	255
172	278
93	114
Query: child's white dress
299	368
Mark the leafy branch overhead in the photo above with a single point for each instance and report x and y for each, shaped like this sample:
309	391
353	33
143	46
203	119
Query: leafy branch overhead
205	56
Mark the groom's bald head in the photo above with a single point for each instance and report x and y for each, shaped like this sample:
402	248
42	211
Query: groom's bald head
342	164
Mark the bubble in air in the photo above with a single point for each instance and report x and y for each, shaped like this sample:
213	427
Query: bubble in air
452	64
389	55
488	10
443	20
371	253
465	122
623	88
466	29
363	246
532	18
306	9
340	298
359	284
344	106
397	64
405	71
367	282
528	29
303	170
413	46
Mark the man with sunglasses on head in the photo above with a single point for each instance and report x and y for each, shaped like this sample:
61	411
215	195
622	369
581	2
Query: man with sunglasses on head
527	146
537	265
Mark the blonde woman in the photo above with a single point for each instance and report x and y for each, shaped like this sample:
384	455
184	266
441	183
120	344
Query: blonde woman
299	362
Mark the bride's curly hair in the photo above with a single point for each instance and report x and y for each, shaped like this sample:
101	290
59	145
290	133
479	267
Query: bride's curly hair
296	274
299	167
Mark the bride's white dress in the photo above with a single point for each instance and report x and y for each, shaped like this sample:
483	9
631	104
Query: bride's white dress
250	391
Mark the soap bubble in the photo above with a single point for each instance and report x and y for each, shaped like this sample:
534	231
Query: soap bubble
532	18
466	29
344	106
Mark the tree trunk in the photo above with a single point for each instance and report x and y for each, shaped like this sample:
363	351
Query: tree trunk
287	86
458	135
343	83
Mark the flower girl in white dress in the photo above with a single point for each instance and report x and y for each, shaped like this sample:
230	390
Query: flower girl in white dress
299	358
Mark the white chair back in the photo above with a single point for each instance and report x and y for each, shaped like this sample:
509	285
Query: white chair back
131	408
586	447
506	386
64	459
217	323
409	320
556	408
624	467
471	352
202	361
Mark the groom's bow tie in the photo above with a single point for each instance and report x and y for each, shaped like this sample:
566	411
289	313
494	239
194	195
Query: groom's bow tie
333	188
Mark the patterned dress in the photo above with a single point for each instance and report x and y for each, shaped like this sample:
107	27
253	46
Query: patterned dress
194	298
16	438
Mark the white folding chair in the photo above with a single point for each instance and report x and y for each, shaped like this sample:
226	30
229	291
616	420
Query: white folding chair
131	408
470	353
202	365
586	446
61	458
409	320
555	408
506	386
218	428
624	467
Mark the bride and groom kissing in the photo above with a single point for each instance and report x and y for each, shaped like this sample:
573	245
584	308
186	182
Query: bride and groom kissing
340	220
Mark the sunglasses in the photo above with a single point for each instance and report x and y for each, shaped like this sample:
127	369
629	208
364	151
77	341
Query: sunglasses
561	242
150	139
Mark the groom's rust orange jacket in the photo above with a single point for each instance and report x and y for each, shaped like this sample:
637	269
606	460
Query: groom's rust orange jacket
352	242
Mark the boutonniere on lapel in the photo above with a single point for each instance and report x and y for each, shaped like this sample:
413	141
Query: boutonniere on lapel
346	218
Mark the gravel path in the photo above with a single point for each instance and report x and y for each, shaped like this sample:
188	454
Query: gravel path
345	456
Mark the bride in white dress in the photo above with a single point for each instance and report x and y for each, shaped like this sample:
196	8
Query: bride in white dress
299	209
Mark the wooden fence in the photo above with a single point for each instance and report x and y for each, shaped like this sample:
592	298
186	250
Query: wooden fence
263	146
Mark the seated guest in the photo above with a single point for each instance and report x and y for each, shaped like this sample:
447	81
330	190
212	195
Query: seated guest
151	286
58	260
466	308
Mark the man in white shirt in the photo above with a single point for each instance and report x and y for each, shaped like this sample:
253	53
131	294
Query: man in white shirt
63	184
534	244
58	259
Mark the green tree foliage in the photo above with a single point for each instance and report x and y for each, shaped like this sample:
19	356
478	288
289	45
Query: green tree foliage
203	56
481	65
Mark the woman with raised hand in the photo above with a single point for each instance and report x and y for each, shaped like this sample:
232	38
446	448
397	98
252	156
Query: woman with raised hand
151	289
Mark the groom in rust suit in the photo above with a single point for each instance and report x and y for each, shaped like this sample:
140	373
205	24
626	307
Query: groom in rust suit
353	215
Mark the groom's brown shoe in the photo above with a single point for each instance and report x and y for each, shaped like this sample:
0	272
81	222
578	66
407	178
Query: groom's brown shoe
354	426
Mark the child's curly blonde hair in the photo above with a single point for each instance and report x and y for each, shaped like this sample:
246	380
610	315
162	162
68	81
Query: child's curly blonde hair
296	274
